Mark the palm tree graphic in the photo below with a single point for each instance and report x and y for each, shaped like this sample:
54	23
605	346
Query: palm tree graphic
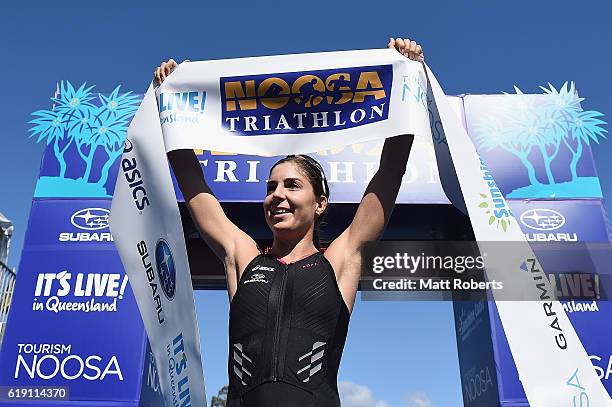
93	127
539	127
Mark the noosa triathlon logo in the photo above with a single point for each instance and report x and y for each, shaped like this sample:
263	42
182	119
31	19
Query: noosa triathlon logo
165	268
493	202
306	102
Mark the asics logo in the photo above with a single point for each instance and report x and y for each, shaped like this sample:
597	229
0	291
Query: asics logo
262	268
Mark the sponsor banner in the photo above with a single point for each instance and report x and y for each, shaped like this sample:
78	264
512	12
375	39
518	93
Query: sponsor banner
566	372
561	221
358	96
267	105
571	241
69	224
580	269
153	252
562	373
74	323
150	391
348	168
475	352
538	146
591	321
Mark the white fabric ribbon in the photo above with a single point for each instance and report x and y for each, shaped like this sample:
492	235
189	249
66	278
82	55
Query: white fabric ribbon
326	100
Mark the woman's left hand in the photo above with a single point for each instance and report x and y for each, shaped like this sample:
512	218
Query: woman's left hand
406	47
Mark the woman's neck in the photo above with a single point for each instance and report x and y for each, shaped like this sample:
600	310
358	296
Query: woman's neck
292	251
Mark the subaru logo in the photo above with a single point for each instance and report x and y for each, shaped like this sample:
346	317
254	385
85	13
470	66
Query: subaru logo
165	268
542	219
90	218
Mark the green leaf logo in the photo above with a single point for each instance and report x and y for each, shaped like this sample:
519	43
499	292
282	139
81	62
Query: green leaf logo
502	224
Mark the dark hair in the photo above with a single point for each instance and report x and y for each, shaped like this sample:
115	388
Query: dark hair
316	176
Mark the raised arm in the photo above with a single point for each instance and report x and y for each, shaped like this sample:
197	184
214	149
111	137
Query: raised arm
377	204
378	200
229	243
372	215
233	246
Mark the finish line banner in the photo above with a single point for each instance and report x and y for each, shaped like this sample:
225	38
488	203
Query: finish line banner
299	104
309	102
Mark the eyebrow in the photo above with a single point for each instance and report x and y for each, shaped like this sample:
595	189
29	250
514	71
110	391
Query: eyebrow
284	180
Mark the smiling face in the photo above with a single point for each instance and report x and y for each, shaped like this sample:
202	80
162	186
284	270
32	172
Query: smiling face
291	206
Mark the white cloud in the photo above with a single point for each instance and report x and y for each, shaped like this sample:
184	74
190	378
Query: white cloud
357	395
418	399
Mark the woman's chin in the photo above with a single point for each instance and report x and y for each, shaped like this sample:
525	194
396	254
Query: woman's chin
280	227
282	230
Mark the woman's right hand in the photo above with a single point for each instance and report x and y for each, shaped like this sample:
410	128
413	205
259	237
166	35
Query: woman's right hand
164	69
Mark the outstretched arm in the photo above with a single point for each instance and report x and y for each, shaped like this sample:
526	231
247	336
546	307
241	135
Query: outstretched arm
378	200
229	243
377	204
372	215
233	246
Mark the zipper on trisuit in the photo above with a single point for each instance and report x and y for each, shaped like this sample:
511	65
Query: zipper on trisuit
277	327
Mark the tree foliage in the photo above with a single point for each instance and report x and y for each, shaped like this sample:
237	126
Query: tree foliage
220	399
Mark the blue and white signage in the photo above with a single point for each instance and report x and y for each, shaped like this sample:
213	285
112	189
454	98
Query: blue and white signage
538	146
591	319
150	392
242	178
313	101
74	323
571	241
70	224
475	351
561	220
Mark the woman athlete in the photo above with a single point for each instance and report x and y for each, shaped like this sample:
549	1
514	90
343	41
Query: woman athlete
290	308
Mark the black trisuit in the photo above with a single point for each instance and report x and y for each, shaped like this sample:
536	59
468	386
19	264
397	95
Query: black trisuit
287	327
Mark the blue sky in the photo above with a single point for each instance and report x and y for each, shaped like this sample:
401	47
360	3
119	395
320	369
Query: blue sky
474	47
